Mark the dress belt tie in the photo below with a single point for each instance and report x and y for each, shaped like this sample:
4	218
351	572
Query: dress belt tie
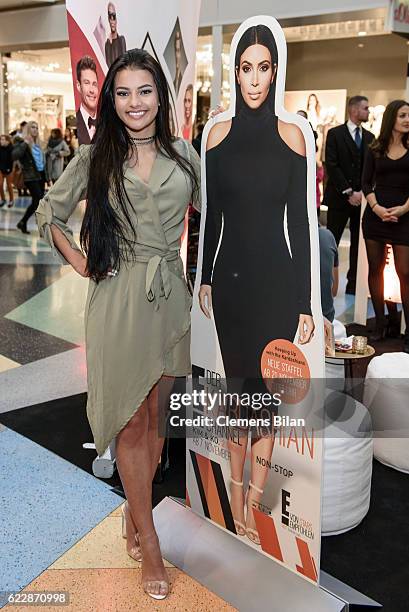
159	264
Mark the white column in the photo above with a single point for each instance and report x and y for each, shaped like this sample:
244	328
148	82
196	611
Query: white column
217	48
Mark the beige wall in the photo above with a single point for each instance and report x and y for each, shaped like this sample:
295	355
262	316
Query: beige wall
377	70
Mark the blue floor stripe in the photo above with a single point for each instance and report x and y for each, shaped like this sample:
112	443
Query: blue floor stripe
47	505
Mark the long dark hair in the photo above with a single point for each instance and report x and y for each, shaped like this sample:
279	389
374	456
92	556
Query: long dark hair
381	144
256	35
105	234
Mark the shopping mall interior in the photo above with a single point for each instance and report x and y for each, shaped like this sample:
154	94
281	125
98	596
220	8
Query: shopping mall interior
61	503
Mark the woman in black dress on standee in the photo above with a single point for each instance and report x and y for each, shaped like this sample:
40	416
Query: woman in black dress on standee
256	170
385	184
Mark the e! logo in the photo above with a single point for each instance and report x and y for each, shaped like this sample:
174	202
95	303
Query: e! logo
285	504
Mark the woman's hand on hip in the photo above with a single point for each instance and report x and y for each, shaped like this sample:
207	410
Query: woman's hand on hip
205	300
305	328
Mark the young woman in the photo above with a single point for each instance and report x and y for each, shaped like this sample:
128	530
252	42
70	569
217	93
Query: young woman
385	183
255	170
57	151
29	153
138	181
6	169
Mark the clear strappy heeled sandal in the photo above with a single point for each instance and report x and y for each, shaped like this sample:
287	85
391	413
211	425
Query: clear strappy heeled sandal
157	589
135	552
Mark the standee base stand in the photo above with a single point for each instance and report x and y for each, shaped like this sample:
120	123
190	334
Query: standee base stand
237	573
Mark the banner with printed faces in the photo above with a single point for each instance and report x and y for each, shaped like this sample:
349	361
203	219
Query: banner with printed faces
254	448
100	31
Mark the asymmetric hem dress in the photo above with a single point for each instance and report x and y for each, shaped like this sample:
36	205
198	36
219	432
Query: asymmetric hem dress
259	287
137	324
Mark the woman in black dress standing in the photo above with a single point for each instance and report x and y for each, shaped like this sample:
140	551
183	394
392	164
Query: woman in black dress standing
385	184
256	174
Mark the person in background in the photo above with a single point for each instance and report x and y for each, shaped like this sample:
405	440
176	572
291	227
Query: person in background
72	144
345	151
29	154
19	135
6	170
57	150
197	140
87	86
329	271
115	45
385	183
20	131
329	280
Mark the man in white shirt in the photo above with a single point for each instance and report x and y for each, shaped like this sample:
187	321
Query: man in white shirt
345	150
87	86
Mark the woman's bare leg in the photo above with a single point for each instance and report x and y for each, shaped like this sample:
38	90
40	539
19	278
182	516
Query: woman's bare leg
135	469
158	402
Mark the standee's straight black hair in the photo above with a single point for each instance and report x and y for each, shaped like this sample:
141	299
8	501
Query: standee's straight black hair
256	35
105	234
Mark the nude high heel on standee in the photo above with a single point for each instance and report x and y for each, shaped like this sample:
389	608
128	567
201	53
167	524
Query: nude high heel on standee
252	534
155	585
240	527
135	552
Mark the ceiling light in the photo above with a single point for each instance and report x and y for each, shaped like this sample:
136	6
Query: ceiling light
362	33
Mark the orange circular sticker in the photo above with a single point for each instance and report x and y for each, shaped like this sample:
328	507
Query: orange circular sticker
285	370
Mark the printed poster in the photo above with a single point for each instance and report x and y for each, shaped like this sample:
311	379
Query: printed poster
254	453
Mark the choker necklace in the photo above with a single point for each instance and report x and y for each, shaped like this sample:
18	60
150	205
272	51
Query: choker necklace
143	141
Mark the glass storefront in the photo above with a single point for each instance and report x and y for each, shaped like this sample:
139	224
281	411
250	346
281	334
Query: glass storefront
38	86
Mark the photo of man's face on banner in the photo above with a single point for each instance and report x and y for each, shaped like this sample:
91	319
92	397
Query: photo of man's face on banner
99	37
256	320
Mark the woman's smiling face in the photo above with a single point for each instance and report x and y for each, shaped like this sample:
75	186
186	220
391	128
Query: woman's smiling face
255	74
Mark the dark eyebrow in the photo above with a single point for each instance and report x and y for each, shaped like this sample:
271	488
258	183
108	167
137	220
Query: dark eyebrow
128	88
266	61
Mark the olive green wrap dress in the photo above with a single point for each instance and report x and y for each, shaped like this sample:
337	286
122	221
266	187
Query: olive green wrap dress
137	324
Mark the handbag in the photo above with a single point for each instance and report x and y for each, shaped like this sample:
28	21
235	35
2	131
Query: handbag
18	178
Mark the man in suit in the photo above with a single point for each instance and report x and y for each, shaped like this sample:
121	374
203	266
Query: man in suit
344	154
87	86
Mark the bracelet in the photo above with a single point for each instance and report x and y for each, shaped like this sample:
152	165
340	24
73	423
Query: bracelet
376	204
